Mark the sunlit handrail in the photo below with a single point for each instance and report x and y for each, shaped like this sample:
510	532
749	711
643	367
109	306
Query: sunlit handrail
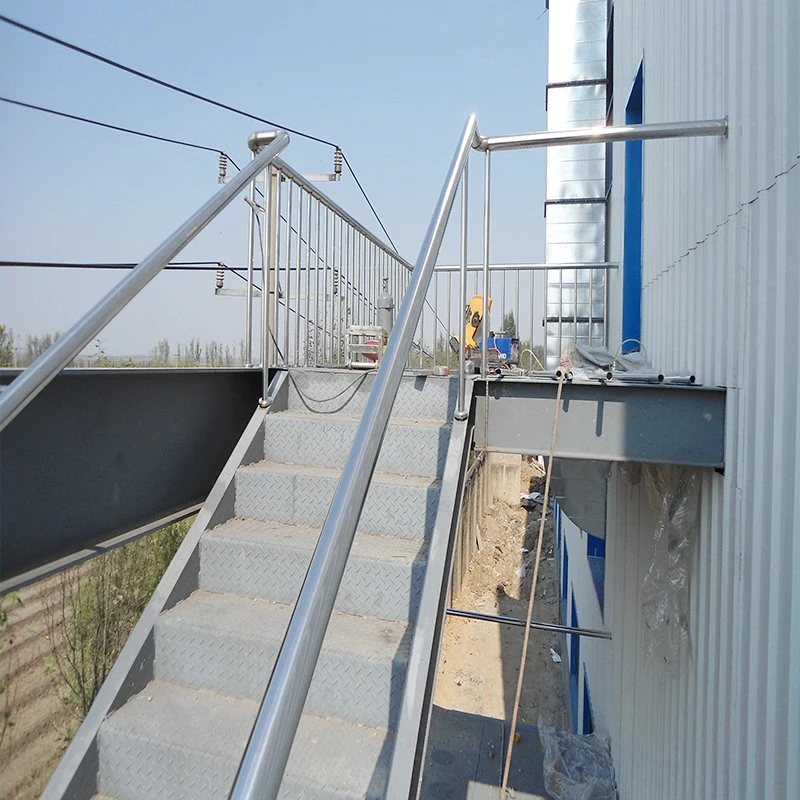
14	399
264	762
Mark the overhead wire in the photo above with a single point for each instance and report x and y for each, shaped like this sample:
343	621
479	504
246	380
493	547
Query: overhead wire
120	128
196	96
158	81
146	135
179	265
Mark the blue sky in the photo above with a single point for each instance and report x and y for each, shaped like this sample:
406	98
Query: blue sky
392	83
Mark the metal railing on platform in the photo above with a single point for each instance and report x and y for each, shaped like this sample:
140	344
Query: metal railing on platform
325	272
262	768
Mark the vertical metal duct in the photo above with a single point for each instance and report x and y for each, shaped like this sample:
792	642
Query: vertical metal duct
575	209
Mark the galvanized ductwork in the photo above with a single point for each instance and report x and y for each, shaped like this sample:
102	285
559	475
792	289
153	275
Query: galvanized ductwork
575	209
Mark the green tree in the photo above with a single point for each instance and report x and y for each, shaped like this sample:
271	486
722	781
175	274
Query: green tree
161	353
36	345
98	604
510	324
6	347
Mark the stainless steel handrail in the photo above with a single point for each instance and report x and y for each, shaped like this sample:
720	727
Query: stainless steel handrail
605	133
14	399
261	771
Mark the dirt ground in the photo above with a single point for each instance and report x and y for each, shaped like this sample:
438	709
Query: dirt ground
479	663
33	744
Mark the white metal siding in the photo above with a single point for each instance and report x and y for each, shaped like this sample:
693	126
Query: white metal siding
721	298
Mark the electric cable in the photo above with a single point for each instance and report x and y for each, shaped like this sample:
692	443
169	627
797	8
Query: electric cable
196	96
158	81
108	125
355	386
176	265
369	202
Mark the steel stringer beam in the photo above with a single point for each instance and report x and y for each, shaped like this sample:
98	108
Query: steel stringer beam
604	421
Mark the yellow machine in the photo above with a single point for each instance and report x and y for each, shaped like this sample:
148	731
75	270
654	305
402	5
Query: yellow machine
502	349
473	322
473	330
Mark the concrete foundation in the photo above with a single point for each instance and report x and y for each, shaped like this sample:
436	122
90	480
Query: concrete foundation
505	473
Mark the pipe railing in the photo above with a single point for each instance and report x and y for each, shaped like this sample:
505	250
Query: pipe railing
264	762
513	293
262	768
324	270
511	286
25	388
605	133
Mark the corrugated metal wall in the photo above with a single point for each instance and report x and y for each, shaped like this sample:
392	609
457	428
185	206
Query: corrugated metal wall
721	298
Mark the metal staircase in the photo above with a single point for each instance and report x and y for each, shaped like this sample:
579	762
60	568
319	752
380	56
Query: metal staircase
182	735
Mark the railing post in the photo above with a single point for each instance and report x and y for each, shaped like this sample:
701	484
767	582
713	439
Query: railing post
485	320
269	266
461	412
248	333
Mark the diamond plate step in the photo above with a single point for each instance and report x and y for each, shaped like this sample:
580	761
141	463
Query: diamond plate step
346	392
410	447
228	644
396	505
170	742
268	560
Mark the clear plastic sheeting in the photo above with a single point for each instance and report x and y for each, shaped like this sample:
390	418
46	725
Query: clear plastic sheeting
577	767
673	493
592	362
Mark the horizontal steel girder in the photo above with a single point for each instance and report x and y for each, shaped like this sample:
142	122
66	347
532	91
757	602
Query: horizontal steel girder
611	421
101	453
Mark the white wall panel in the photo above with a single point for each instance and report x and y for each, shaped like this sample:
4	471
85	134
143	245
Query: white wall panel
721	298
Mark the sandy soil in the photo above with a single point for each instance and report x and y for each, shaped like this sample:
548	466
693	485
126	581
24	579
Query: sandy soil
40	722
479	662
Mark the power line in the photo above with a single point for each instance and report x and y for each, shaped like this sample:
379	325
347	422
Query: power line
116	127
369	203
177	265
158	81
188	93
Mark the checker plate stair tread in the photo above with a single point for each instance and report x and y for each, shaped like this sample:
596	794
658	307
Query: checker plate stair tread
338	391
410	447
228	644
396	505
383	577
174	743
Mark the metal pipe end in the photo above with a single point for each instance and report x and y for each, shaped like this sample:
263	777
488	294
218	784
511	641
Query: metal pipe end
461	415
258	140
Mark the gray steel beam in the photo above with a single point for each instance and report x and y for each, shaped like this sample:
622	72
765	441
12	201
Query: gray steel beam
605	421
101	452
